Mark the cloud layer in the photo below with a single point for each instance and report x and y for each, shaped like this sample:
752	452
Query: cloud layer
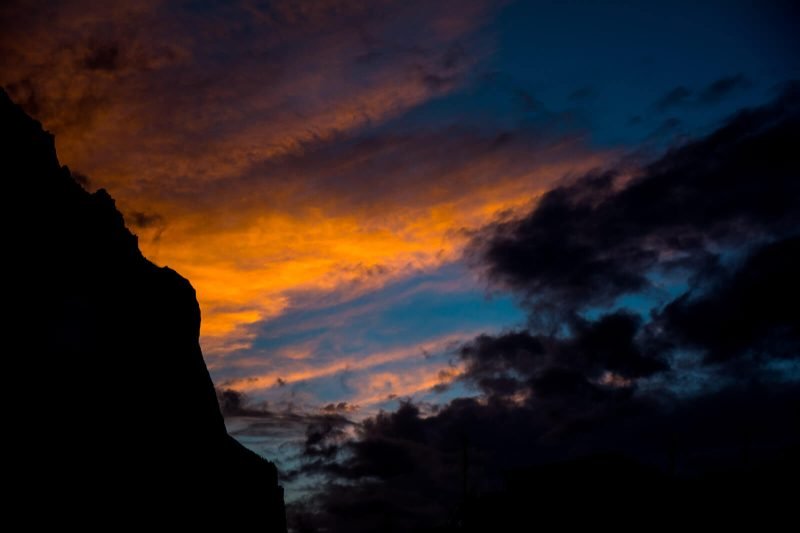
682	379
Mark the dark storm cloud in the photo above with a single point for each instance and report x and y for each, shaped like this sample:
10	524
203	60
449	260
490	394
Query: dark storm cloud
739	318
598	238
724	210
597	357
414	472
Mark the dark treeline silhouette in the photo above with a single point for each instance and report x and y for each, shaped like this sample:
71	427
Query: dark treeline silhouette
111	416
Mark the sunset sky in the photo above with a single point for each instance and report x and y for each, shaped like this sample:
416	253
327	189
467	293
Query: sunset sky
320	171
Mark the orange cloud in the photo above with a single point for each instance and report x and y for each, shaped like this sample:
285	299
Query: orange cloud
303	370
246	269
250	135
378	387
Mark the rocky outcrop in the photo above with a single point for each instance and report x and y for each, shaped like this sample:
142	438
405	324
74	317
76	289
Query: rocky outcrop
111	410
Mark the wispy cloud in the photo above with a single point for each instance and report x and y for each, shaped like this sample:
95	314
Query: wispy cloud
251	135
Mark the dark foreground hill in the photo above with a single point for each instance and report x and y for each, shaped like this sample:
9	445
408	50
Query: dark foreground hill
111	416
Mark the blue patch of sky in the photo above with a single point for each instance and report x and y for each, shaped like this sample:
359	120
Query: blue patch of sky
402	313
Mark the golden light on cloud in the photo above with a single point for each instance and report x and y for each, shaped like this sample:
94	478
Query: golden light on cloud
374	378
247	273
259	162
380	387
303	370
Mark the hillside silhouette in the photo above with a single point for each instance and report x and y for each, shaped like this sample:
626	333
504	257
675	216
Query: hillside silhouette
113	417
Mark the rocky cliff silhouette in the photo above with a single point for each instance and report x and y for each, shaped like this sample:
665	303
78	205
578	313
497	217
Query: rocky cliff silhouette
112	414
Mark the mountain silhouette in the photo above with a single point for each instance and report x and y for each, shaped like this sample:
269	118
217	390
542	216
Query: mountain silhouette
111	418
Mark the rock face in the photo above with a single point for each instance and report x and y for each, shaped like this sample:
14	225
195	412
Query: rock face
112	413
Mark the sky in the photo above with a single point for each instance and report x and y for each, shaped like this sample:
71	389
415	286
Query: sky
344	183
